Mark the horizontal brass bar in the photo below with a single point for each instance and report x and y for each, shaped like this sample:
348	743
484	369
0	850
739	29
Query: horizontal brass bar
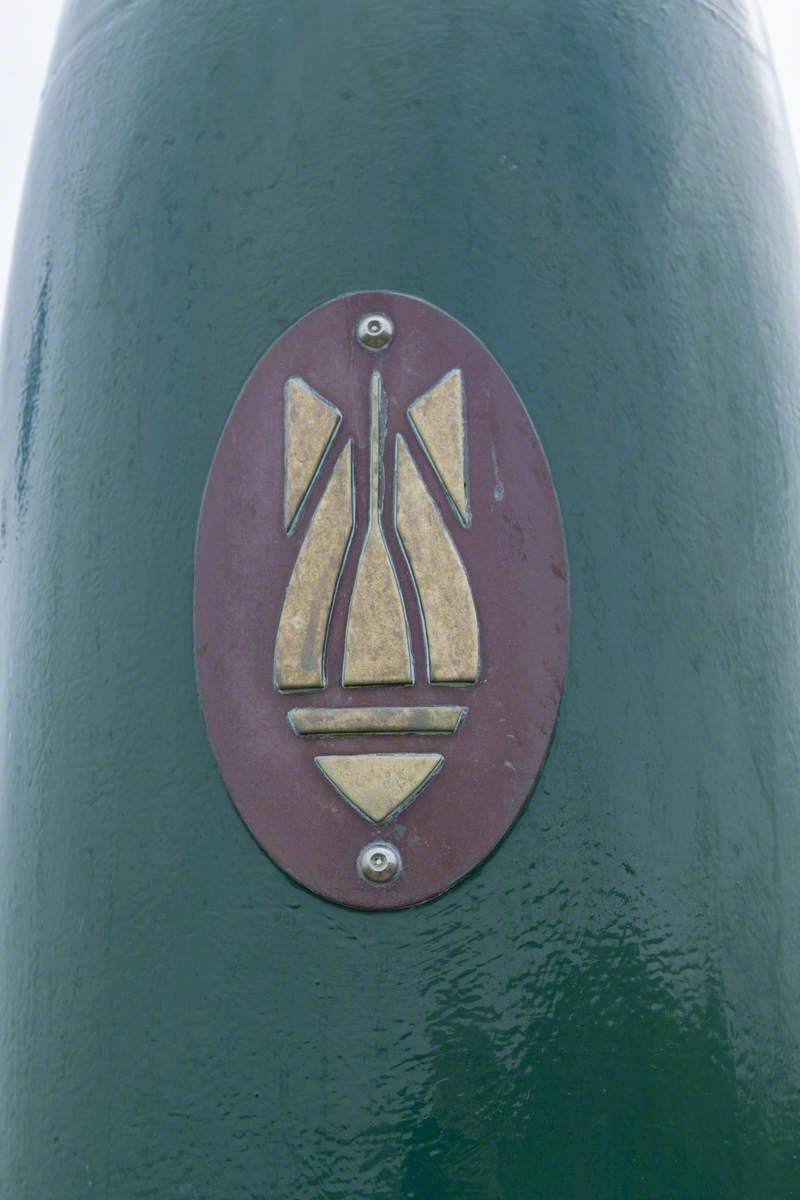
327	722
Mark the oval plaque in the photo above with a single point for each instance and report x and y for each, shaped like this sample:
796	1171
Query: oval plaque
381	603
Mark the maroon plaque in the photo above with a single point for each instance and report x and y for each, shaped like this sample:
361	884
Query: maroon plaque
381	604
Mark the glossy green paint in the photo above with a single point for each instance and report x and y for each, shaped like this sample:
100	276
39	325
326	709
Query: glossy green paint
608	1008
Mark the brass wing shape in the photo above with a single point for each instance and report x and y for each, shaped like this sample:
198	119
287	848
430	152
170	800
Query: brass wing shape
445	596
305	616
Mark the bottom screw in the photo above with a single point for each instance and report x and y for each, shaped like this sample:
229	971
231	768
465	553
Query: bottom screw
379	862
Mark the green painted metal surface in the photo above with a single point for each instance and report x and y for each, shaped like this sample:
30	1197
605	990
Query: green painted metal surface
608	1008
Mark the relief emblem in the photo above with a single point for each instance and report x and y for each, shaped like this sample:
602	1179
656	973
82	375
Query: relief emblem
381	602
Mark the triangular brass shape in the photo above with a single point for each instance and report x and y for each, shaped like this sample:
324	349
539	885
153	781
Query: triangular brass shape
440	422
309	427
378	785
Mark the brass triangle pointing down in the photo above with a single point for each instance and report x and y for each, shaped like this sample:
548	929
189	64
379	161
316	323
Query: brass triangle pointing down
378	785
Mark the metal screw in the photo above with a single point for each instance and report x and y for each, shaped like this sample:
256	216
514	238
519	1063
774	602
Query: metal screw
375	331
379	862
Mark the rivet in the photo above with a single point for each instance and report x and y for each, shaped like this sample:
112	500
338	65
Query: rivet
375	331
379	862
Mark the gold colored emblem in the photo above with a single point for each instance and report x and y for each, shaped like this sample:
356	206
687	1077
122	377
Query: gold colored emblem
377	645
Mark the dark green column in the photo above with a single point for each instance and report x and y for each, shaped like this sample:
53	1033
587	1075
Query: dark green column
608	1008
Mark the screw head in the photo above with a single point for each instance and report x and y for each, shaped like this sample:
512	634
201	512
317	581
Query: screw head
379	862
375	331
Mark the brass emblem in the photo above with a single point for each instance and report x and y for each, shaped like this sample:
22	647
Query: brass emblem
404	570
377	647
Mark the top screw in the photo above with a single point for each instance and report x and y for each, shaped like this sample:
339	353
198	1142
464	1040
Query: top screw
375	331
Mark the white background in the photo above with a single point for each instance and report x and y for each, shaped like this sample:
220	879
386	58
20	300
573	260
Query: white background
27	30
